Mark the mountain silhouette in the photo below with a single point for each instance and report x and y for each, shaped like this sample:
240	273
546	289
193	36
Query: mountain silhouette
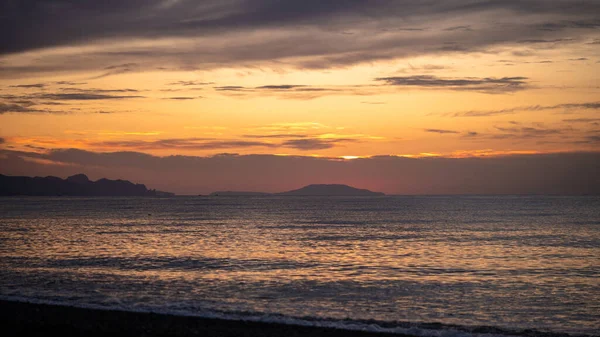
77	185
330	190
310	190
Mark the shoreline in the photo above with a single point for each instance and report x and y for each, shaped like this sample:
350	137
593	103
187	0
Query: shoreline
29	319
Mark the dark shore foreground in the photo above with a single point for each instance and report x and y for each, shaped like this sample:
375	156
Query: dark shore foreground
26	319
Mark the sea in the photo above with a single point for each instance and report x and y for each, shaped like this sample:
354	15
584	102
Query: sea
418	265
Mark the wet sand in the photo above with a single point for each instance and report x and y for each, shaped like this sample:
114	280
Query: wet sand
26	319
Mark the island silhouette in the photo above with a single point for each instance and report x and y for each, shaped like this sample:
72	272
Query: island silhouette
309	190
76	185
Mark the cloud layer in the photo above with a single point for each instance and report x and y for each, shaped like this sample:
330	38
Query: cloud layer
128	36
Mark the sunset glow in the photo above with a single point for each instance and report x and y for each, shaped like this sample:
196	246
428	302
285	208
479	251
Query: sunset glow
313	80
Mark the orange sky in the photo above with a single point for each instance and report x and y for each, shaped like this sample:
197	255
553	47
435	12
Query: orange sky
311	79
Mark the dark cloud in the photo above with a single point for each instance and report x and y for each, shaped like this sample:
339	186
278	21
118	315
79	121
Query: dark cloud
183	144
427	68
2	140
70	83
308	33
6	108
484	85
441	131
82	96
507	111
296	91
190	83
184	98
230	88
100	91
283	135
534	41
574	24
314	143
560	173
180	89
579	59
461	28
525	132
44	85
581	120
300	142
280	87
29	86
117	70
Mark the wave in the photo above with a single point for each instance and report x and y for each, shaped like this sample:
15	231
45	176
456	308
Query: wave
419	329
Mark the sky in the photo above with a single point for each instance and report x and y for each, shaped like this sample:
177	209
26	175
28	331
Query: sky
401	96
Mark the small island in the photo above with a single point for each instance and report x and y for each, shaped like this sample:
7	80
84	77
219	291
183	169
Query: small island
329	190
76	185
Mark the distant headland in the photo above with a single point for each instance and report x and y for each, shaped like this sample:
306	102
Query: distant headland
310	190
77	185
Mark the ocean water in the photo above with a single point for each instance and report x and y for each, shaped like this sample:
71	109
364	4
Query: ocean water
428	266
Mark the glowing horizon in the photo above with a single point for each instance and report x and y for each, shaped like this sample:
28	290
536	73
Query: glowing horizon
311	79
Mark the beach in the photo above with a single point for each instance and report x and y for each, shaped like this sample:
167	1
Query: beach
28	319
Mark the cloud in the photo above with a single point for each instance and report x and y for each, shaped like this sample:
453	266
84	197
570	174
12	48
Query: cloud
82	96
190	83
298	91
427	68
314	143
283	135
184	98
182	144
117	70
280	87
537	41
440	131
230	88
25	102
141	35
558	173
18	108
29	86
581	120
279	140
526	132
461	28
507	111
485	85
2	140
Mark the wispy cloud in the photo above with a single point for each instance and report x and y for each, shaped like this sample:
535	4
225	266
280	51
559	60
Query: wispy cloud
508	111
6	108
441	131
190	83
82	96
581	120
182	144
487	85
315	143
29	86
184	98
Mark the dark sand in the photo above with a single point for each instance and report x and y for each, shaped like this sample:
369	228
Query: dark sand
26	319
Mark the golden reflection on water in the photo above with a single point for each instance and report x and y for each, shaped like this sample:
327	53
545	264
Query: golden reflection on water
199	251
